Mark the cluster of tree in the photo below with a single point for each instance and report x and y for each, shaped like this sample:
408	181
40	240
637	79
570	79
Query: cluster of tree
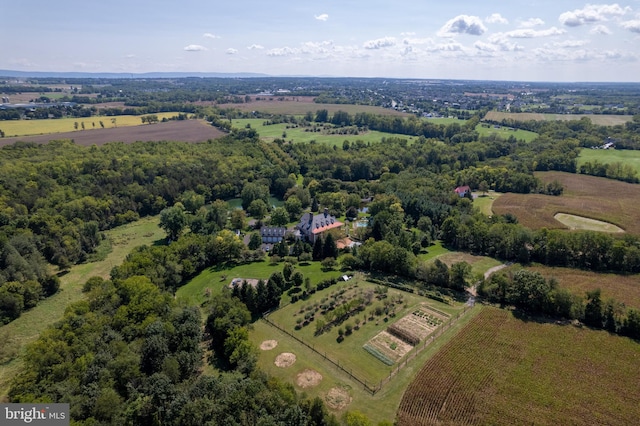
615	170
531	292
129	354
66	194
498	238
24	277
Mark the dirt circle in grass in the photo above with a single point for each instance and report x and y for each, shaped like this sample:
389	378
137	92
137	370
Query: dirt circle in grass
267	345
285	359
308	378
338	398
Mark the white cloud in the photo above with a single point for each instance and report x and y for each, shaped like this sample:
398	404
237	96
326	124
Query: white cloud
282	51
529	33
130	56
462	24
380	43
592	13
485	47
531	22
194	48
633	26
600	29
231	51
209	35
255	47
570	43
322	17
408	34
495	18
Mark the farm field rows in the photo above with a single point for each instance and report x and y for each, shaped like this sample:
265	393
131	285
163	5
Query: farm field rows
300	105
588	196
184	131
503	370
602	120
41	127
608	156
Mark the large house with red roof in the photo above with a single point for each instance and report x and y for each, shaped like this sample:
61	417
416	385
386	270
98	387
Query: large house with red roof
312	226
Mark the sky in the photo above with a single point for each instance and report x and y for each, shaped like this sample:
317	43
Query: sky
515	40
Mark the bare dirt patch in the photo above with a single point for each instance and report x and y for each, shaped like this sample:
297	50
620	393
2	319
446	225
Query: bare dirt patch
182	131
267	345
338	398
285	359
308	378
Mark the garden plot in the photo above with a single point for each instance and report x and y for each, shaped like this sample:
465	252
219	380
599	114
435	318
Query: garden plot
391	345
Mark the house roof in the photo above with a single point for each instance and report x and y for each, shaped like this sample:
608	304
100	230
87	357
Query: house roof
462	189
316	224
321	229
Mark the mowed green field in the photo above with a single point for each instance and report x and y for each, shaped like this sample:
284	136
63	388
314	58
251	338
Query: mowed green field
506	132
31	323
608	156
599	119
60	125
273	131
502	370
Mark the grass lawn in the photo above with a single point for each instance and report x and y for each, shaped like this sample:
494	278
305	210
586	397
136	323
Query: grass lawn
59	125
349	353
485	202
584	223
599	119
608	156
31	323
274	131
505	132
434	250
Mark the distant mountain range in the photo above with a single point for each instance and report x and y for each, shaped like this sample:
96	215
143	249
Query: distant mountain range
51	74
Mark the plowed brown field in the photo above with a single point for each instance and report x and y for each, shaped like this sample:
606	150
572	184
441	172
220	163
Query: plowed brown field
589	196
182	131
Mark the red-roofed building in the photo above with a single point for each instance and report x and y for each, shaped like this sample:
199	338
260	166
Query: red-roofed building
312	226
462	190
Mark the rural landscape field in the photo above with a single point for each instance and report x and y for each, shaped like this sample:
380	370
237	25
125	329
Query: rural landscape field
319	251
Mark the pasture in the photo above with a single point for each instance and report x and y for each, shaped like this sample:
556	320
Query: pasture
608	156
592	197
349	352
484	203
329	136
599	119
586	224
183	131
300	105
502	370
31	323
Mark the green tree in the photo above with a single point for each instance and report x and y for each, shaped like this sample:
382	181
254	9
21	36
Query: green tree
593	313
173	220
258	209
255	241
293	205
279	217
459	273
254	191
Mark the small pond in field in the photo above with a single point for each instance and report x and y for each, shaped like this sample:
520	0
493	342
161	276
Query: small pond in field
584	223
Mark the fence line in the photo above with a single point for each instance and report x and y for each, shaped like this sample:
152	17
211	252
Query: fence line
409	357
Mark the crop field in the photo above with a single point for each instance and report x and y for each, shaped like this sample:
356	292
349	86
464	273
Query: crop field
599	119
329	136
502	370
588	196
505	132
31	323
621	288
300	105
608	156
42	127
183	131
